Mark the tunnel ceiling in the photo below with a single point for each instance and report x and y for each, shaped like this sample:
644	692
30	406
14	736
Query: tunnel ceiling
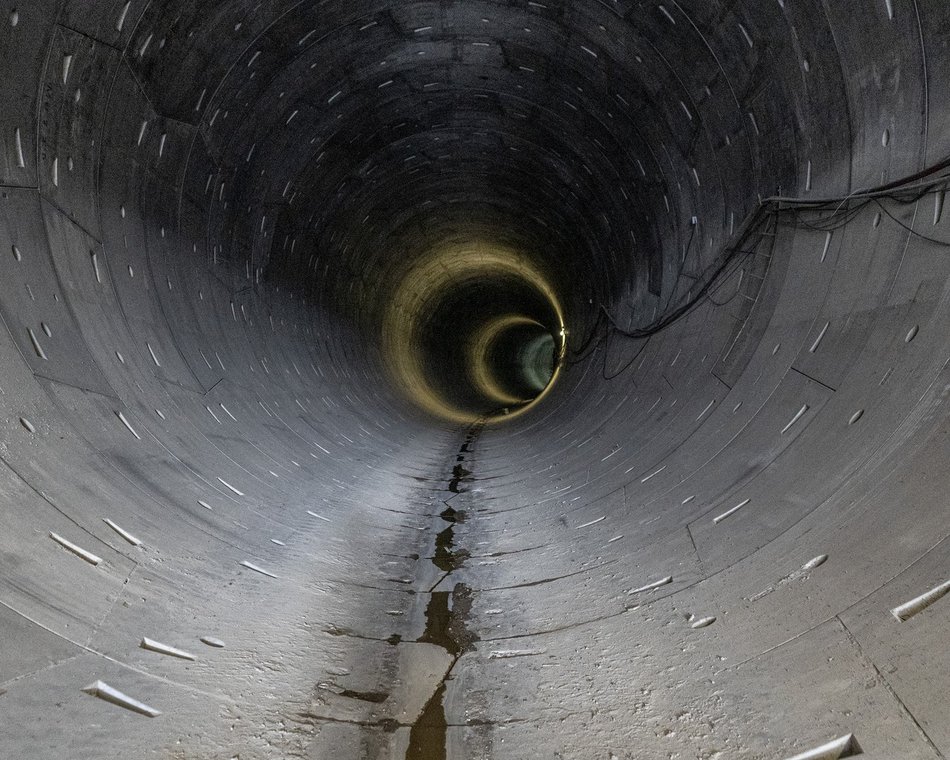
381	133
470	379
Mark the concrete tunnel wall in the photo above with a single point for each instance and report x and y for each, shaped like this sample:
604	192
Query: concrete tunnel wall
698	557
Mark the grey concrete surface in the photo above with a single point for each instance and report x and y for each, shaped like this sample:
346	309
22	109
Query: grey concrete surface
724	539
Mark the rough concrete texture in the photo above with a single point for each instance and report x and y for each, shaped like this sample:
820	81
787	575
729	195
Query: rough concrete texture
722	539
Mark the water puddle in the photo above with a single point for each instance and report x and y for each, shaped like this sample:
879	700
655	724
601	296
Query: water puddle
447	618
446	558
446	626
459	475
447	615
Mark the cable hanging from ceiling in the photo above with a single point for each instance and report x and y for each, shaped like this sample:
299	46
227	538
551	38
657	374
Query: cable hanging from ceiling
821	215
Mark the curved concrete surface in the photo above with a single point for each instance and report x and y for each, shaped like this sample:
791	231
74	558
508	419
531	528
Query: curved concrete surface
722	533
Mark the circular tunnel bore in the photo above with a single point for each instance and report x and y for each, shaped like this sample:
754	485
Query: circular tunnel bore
461	333
518	358
428	381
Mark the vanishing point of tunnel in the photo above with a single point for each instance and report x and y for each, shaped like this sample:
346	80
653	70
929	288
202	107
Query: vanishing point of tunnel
474	379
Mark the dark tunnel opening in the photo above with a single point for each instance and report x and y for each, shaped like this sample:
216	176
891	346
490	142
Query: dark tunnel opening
487	379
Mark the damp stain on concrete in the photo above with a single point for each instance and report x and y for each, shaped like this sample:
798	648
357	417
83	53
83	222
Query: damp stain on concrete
376	697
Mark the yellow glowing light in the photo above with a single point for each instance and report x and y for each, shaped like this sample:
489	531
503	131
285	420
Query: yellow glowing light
478	357
438	270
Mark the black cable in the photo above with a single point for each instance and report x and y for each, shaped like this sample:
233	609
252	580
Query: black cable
646	333
593	332
912	231
681	311
845	210
602	312
625	367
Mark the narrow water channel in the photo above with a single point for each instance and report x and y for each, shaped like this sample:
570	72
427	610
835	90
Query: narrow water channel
447	612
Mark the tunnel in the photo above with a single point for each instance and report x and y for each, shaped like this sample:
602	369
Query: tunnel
474	379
